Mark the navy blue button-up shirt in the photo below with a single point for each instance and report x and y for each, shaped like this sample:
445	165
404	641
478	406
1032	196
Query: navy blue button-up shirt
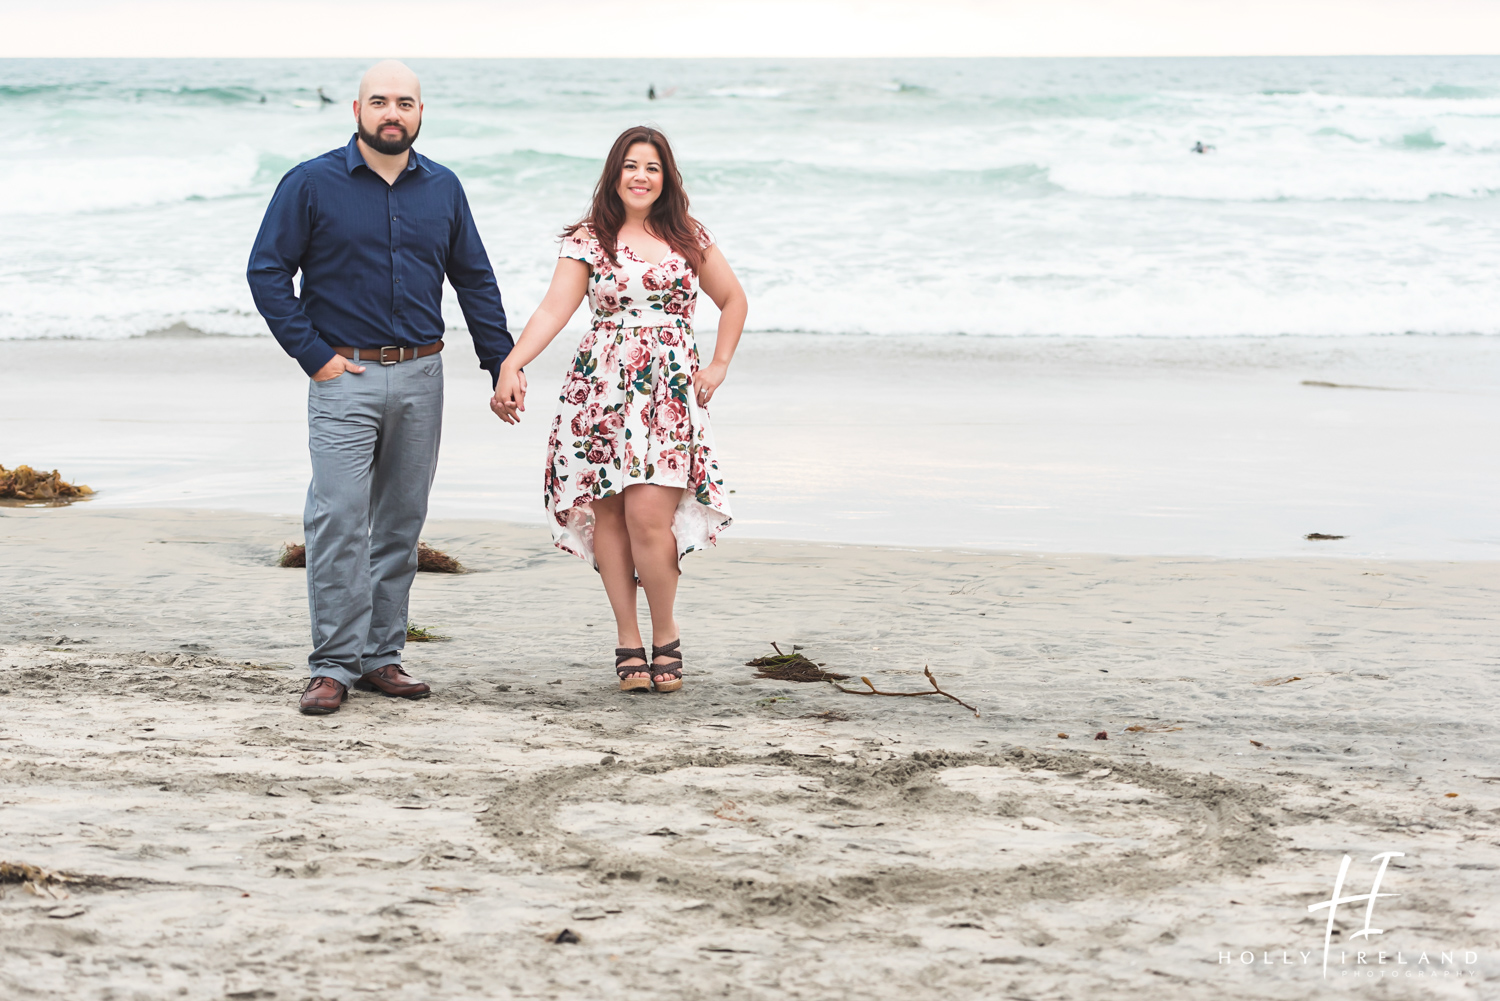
372	256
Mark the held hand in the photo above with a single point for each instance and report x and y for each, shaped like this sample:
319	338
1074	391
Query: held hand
510	396
708	380
337	366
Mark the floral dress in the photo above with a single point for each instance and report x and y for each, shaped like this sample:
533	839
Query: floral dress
627	413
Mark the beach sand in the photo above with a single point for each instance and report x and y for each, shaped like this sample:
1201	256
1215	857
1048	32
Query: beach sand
745	838
1116	445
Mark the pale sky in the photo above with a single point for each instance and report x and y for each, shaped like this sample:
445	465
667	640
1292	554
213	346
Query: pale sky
664	28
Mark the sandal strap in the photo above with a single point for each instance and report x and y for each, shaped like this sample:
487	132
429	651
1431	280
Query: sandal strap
671	652
624	653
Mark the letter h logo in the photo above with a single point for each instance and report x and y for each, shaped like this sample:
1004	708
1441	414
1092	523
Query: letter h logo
1384	859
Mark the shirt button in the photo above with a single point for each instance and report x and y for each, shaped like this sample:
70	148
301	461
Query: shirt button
398	281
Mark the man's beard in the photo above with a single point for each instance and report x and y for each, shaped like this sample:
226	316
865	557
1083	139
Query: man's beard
390	147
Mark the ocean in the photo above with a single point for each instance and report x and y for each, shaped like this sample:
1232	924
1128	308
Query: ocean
993	303
1342	196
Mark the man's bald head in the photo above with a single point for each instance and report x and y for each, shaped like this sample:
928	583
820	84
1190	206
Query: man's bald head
389	109
393	79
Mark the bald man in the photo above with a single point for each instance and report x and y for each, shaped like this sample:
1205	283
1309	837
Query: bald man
373	227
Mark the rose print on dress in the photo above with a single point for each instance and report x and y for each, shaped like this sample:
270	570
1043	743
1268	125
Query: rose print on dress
585	418
576	390
670	419
601	451
636	356
627	413
609	299
673	461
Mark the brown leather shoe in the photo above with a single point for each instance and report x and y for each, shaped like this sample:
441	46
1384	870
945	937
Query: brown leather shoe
323	696
393	681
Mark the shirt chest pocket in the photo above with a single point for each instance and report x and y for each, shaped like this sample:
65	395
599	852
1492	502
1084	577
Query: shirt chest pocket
423	234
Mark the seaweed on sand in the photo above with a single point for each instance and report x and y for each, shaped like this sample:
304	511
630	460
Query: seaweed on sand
27	484
429	560
791	667
421	634
795	667
36	880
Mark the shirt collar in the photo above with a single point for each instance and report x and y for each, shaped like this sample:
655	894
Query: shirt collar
353	158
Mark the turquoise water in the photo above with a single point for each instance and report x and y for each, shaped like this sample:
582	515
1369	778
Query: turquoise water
891	197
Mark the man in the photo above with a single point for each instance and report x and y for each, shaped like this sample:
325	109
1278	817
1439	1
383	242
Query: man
373	227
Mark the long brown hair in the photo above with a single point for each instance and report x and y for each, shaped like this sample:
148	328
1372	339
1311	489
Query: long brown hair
668	219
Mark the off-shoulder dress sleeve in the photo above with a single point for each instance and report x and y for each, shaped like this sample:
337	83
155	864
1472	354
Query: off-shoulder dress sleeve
579	245
705	238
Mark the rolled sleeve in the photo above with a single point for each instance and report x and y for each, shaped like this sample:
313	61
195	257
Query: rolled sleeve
275	260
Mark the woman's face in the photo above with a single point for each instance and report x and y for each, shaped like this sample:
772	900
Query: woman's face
640	177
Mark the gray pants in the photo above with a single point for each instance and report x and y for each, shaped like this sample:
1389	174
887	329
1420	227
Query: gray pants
374	443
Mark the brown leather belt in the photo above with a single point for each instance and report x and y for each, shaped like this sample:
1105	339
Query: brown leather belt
391	355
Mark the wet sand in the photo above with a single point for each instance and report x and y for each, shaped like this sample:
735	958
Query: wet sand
739	838
1120	445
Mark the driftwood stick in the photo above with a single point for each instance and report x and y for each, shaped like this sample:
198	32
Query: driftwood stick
928	671
925	670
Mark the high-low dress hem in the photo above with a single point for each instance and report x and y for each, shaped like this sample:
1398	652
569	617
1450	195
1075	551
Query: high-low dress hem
627	414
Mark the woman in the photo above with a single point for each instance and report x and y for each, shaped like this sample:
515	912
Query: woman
632	483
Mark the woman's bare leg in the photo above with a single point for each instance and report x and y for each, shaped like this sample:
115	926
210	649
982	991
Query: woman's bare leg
617	569
648	519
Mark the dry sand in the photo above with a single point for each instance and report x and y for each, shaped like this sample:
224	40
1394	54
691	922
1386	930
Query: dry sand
740	839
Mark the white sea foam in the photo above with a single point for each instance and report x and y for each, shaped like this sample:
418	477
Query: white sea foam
55	185
760	92
882	197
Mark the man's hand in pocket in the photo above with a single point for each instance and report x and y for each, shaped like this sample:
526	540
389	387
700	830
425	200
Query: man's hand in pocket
337	366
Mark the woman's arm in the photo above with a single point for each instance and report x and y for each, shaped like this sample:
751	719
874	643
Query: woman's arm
718	280
569	283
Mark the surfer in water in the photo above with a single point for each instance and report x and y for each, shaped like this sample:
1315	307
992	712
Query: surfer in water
1198	147
324	97
651	92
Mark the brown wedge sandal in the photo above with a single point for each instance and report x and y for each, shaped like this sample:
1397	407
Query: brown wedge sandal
624	653
672	652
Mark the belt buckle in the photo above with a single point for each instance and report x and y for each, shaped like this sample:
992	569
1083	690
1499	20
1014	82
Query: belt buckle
398	351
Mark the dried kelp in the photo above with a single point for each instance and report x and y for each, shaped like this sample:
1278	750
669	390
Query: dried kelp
791	667
27	484
429	560
1273	682
36	880
935	691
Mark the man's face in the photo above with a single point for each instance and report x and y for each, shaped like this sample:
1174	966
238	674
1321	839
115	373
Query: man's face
389	118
